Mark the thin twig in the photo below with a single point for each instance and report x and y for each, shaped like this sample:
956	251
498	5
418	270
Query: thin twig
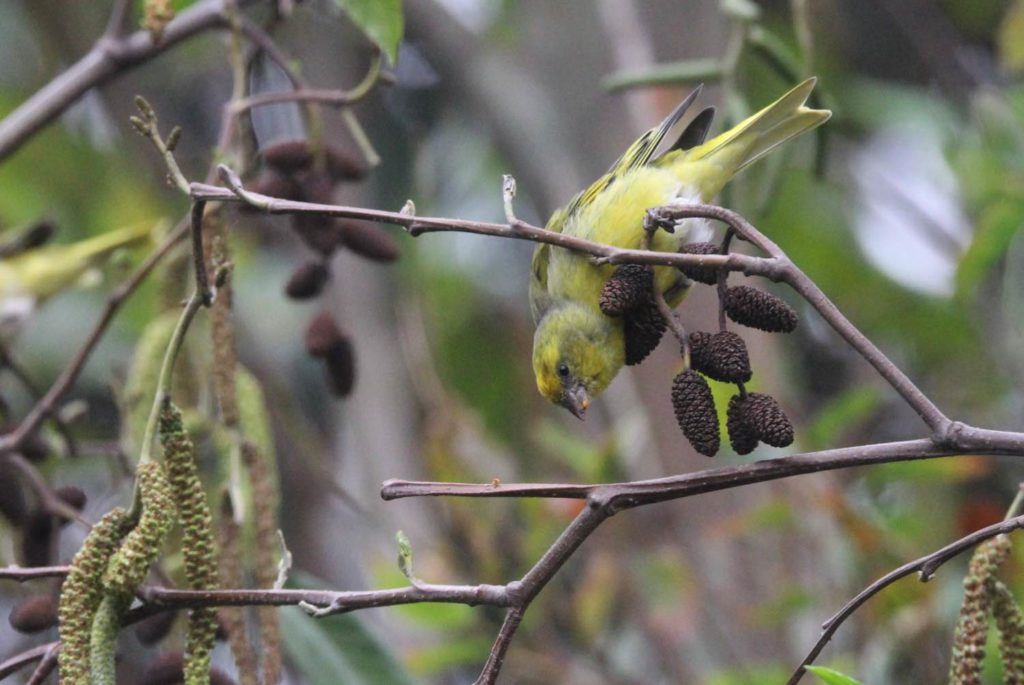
925	566
45	666
20	661
108	58
8	361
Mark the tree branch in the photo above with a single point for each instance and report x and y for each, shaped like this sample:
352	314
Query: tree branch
110	56
926	566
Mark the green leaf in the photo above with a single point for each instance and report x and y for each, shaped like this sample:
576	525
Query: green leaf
832	677
404	555
336	649
381	20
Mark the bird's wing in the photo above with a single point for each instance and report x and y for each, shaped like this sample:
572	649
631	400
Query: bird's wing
636	155
540	299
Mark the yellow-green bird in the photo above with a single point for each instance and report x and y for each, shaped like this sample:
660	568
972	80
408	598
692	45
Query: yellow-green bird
32	276
578	350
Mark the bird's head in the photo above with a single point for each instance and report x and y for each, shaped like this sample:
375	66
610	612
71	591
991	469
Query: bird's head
576	354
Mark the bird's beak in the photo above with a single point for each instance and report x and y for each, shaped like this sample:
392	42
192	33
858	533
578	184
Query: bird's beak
576	401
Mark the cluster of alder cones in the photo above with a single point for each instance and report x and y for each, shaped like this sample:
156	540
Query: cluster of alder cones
752	417
292	170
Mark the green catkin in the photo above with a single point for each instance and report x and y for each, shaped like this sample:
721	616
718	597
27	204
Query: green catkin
103	639
972	627
82	592
1010	622
260	461
129	566
197	540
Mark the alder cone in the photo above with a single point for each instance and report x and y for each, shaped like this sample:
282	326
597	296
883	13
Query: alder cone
322	334
37	538
695	412
721	356
759	309
628	288
289	156
768	420
343	166
326	341
152	629
35	448
13	505
320	233
369	241
73	496
762	416
701	274
642	331
340	363
34	614
275	185
307	281
742	438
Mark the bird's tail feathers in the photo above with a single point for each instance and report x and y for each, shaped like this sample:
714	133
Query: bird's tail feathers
762	132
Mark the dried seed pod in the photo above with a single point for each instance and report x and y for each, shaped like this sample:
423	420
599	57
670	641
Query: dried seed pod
288	157
12	496
322	334
628	288
642	330
197	539
766	419
702	274
759	309
307	281
275	185
316	186
320	233
721	356
166	669
129	566
152	629
34	614
742	438
343	166
695	411
73	496
37	539
35	448
369	241
82	592
340	363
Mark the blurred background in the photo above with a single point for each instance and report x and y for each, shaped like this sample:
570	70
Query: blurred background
905	208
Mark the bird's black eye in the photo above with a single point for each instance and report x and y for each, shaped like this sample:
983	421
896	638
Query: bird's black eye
563	369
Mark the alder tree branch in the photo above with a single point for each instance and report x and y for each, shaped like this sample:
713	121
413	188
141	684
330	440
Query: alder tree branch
113	54
116	52
945	437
